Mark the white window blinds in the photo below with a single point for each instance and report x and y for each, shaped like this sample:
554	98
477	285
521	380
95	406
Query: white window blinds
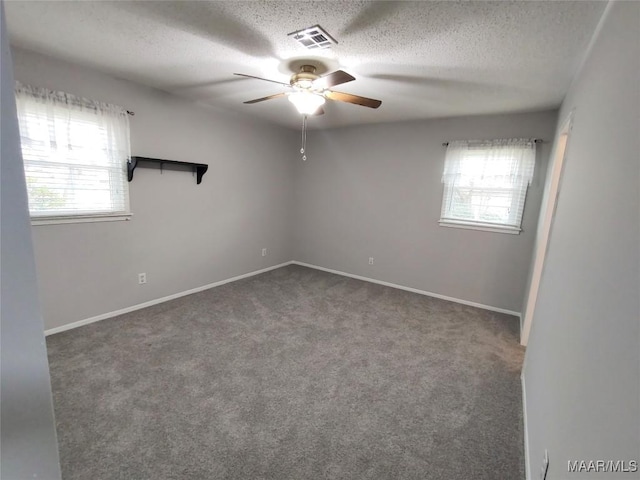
75	152
485	183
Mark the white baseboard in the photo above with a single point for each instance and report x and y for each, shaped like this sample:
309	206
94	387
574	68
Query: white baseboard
527	464
410	289
133	308
115	313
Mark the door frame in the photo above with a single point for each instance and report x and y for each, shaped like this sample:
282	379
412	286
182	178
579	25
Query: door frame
545	223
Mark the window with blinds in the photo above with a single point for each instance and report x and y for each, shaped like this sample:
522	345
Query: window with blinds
485	183
75	152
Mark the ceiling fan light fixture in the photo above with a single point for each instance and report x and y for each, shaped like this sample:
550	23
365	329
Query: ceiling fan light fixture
306	102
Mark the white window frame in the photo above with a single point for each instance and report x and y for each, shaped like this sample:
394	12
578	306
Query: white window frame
504	167
47	121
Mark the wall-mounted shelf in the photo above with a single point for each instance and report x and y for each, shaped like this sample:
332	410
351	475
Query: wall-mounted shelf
198	168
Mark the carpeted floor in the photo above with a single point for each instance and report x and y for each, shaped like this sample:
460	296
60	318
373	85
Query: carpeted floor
292	374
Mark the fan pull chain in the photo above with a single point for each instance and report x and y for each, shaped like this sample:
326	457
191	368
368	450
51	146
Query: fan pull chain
304	138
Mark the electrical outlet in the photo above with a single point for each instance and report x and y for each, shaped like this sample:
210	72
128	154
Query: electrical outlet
264	252
370	260
545	465
142	278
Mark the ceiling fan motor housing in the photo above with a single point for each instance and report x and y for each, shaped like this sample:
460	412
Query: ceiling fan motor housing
305	77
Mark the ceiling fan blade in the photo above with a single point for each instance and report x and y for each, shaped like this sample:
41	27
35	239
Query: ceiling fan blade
332	79
266	98
349	98
260	78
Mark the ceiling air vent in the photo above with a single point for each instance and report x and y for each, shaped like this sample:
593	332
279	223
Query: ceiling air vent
313	38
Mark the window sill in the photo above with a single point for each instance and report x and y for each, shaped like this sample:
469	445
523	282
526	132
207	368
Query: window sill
35	221
481	227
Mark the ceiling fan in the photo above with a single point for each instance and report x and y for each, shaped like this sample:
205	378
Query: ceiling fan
309	90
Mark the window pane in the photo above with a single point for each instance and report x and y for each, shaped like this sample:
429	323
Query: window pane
75	153
484	205
487	183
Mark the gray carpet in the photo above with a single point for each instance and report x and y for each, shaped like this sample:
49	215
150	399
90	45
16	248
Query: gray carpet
292	374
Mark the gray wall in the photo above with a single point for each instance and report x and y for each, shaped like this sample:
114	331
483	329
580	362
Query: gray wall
582	366
376	191
28	446
182	235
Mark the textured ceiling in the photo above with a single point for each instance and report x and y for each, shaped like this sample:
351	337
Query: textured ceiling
422	59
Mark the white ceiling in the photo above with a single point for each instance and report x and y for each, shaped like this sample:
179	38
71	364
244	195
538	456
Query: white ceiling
422	59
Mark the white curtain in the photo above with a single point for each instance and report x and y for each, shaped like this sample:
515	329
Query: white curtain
486	181
75	152
494	162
